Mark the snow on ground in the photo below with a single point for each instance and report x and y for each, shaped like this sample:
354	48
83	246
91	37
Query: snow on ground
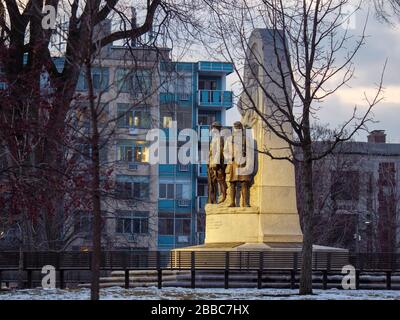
152	293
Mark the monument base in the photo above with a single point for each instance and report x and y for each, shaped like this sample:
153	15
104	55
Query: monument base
249	225
273	256
244	236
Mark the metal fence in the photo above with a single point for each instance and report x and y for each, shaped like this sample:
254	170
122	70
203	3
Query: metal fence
236	260
193	261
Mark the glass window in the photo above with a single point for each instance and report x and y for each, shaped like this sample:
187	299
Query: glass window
134	82
163	191
166	191
182	226
166	224
130	222
122	79
183	191
170	191
131	151
179	191
130	189
100	79
167	121
131	117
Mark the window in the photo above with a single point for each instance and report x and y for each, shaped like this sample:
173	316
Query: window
86	152
132	187
182	226
207	84
125	153
133	117
83	222
206	119
183	191
184	84
100	79
129	222
166	191
171	191
202	189
167	121
134	82
184	119
165	224
131	151
122	79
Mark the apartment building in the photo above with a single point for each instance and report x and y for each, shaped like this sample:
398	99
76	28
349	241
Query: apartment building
156	206
357	197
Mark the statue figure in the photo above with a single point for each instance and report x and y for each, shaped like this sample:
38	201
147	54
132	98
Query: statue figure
216	166
235	148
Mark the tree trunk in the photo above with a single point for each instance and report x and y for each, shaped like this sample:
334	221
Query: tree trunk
96	255
308	210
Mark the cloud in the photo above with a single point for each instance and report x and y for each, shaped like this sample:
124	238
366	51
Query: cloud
357	95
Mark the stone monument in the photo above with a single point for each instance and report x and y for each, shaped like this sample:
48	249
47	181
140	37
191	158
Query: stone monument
267	219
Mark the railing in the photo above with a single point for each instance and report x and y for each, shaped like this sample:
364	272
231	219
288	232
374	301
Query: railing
219	261
215	66
111	260
215	98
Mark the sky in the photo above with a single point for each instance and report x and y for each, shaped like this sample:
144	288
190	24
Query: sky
383	42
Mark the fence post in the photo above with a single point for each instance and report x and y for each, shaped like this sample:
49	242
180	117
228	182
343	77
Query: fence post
29	279
127	279
293	279
159	270
389	280
357	279
260	270
0	280
62	284
192	270
226	273
325	279
328	262
295	261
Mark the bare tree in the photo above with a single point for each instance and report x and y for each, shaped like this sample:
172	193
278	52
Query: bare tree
387	10
312	57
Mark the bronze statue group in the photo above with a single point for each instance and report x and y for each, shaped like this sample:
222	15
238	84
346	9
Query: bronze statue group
218	167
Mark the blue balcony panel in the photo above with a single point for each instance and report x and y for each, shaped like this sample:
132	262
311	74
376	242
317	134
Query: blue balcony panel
175	169
183	99
166	204
180	206
166	241
215	67
202	170
215	99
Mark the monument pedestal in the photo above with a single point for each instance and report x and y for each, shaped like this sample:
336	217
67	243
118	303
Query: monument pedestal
249	225
245	233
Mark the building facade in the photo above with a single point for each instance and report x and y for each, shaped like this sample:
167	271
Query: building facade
156	206
357	196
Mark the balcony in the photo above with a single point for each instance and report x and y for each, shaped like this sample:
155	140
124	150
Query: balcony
215	98
215	67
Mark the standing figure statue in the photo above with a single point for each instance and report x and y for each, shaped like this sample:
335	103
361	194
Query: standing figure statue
216	166
235	148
